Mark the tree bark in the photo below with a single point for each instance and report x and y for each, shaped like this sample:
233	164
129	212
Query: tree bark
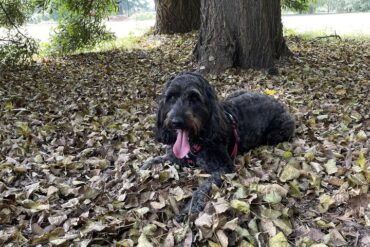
177	16
120	7
239	33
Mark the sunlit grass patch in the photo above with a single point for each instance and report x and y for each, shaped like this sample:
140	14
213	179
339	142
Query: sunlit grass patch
143	16
124	43
129	42
307	35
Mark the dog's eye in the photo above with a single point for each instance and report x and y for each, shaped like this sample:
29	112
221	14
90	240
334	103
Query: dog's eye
170	98
194	97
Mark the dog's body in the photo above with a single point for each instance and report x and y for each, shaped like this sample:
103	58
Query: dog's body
207	133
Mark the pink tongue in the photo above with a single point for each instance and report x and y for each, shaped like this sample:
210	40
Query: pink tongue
181	147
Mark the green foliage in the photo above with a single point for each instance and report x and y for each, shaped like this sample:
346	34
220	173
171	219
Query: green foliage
361	5
343	5
88	8
80	24
12	13
329	6
298	5
15	47
77	32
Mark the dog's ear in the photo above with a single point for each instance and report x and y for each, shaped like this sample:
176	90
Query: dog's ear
161	133
158	131
217	126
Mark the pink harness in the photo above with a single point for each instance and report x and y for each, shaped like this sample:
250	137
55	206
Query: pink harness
236	135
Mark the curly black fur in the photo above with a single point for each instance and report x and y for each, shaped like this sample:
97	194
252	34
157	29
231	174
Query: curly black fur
261	120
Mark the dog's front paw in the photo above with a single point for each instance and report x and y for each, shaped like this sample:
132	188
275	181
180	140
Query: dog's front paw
191	209
197	203
153	161
147	165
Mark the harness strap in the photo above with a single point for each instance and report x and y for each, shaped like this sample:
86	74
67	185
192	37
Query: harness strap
236	135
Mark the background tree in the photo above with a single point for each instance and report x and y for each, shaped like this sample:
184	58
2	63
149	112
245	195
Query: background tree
361	5
128	7
240	33
297	5
177	16
341	6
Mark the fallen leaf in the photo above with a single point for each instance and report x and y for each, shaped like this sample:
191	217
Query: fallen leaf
361	136
331	167
270	92
272	197
93	226
204	220
326	202
279	240
241	206
289	173
221	205
143	241
231	225
221	236
213	244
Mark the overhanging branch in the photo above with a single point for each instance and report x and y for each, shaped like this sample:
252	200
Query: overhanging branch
11	21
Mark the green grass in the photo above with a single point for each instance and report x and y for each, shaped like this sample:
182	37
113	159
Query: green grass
132	41
143	16
307	35
129	42
124	43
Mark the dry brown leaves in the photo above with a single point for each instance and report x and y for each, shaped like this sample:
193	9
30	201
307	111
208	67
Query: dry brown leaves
74	131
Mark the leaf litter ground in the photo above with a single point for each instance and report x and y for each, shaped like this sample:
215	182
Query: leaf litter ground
75	130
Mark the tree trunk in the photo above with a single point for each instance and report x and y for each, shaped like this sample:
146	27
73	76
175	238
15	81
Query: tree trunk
120	7
177	16
312	9
239	33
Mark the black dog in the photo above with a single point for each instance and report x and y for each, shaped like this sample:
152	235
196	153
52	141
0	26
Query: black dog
204	132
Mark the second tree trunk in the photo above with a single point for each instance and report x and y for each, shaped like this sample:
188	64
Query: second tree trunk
239	33
177	16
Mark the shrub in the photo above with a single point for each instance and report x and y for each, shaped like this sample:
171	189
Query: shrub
15	47
77	32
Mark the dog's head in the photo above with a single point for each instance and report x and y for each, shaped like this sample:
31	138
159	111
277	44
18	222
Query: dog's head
188	110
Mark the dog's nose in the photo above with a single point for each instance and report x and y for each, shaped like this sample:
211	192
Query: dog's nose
177	122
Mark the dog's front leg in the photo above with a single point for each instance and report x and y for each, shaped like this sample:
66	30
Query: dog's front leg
215	162
200	197
157	160
153	161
